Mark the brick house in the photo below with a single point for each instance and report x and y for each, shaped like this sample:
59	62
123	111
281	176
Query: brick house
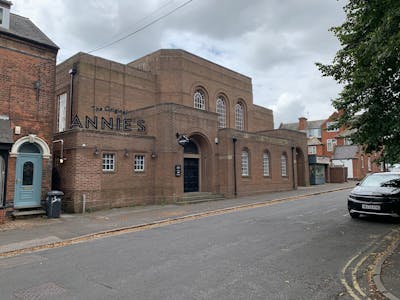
165	127
27	82
331	147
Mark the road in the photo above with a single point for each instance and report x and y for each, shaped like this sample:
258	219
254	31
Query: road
304	249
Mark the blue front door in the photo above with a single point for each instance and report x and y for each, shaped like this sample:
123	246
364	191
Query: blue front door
28	180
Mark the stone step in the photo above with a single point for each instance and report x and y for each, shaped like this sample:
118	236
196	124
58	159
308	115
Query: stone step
28	212
197	197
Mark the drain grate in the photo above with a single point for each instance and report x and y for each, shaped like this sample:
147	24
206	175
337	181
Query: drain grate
41	292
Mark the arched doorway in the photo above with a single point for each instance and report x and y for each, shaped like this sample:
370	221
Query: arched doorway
301	174
28	180
198	175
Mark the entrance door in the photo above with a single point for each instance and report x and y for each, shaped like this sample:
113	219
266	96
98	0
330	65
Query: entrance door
191	175
28	181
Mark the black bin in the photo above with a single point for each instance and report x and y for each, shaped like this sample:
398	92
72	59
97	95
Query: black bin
53	204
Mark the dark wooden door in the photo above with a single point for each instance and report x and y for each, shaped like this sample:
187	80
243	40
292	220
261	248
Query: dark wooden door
191	175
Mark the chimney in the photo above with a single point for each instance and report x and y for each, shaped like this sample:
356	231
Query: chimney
5	14
302	123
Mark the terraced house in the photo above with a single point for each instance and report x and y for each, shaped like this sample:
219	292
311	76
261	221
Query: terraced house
27	84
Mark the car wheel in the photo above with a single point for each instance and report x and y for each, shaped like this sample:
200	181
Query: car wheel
354	215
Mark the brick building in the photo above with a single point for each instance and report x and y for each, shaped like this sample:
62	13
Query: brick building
331	147
27	84
165	127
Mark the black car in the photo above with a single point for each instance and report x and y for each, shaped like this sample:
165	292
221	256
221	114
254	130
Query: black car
376	194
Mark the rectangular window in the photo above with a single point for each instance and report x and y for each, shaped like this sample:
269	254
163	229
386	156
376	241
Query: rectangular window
139	163
348	141
314	132
369	164
330	127
108	162
312	149
283	165
245	163
330	144
266	164
62	112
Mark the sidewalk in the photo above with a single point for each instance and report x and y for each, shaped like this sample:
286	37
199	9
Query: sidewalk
39	231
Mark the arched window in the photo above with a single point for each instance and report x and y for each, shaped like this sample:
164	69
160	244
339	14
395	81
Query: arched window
199	99
266	163
239	122
283	165
221	111
245	163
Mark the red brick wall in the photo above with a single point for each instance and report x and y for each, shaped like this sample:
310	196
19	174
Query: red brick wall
21	65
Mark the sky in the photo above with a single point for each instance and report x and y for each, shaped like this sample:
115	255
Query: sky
275	42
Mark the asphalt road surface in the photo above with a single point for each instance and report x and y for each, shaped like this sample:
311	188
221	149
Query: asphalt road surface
304	249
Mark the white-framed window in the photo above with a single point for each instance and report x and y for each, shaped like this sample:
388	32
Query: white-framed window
221	111
330	144
369	164
314	132
362	161
312	149
266	164
334	125
199	99
139	163
239	116
283	165
62	112
348	141
108	162
245	163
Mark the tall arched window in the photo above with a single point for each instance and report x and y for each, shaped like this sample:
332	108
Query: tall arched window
199	99
266	163
239	122
283	165
245	163
221	111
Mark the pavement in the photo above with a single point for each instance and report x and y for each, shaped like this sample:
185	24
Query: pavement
35	233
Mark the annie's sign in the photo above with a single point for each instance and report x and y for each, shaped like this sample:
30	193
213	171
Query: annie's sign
118	123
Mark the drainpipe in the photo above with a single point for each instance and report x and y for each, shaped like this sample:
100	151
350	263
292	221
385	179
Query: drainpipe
293	167
234	140
71	72
61	150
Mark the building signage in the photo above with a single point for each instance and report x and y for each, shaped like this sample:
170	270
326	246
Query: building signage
118	123
178	170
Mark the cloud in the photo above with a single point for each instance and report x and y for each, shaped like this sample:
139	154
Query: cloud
274	42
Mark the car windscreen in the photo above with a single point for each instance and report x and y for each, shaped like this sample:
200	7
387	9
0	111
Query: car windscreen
387	180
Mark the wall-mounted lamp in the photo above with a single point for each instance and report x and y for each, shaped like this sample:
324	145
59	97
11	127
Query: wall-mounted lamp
153	155
182	139
126	153
96	150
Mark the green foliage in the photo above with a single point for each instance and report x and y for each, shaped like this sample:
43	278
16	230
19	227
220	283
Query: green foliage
368	68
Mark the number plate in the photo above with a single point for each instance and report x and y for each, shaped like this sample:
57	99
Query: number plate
371	206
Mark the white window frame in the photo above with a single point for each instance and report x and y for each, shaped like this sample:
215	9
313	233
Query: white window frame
328	124
239	116
369	164
312	150
62	112
108	162
266	164
362	161
330	144
245	163
199	99
139	163
283	165
221	111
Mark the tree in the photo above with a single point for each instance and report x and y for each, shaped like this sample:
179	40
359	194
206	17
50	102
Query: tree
368	68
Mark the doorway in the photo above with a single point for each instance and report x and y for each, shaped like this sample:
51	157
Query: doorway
191	168
28	181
